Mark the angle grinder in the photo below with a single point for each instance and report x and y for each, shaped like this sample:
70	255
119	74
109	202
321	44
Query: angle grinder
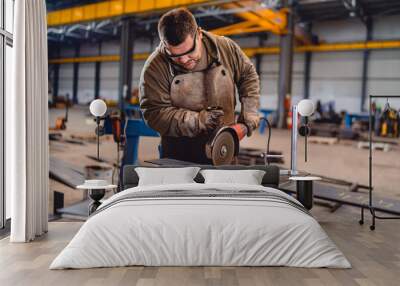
223	145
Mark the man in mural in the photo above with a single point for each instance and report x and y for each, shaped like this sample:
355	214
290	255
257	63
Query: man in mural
189	74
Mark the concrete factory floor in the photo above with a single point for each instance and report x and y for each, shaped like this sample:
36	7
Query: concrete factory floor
340	161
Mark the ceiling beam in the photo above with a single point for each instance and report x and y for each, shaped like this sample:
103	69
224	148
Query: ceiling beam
270	20
114	8
250	52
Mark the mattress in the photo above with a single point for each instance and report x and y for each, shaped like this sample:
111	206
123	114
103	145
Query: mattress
201	225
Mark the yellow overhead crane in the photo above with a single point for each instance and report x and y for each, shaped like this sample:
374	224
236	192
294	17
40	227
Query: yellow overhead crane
112	8
257	18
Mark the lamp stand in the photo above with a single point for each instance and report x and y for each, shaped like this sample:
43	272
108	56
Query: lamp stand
98	137
293	148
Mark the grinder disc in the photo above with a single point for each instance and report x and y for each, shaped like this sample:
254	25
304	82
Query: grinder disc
223	149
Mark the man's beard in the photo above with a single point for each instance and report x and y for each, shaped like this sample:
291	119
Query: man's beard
191	64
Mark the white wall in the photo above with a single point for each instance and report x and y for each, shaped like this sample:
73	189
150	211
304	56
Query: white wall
337	77
89	50
137	69
384	74
65	80
387	28
334	75
143	46
269	80
86	82
340	31
109	80
247	42
110	48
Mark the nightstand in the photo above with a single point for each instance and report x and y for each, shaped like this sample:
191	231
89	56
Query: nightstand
304	189
97	190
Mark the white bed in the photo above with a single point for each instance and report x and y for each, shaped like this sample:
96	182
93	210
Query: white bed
246	225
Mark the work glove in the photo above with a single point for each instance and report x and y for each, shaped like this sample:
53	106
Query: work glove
250	128
210	120
251	122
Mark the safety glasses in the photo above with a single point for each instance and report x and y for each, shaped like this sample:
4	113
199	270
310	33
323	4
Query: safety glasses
173	56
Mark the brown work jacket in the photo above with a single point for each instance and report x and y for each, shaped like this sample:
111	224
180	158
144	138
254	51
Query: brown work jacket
157	76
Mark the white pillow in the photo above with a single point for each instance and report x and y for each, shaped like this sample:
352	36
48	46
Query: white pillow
248	177
163	176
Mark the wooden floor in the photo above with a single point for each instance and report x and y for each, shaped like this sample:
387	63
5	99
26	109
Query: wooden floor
375	257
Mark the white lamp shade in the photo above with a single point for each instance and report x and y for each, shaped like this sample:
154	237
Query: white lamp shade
98	107
305	107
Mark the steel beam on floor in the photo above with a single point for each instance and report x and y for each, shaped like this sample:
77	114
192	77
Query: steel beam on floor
126	61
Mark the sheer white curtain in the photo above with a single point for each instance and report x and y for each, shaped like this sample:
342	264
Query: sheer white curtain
27	124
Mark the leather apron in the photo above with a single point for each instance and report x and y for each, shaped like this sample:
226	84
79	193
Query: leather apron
197	91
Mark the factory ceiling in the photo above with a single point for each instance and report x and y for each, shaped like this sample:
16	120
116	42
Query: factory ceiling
321	10
219	16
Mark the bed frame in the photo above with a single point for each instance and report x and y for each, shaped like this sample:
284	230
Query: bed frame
130	178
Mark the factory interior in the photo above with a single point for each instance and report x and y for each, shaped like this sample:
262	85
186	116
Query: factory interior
88	86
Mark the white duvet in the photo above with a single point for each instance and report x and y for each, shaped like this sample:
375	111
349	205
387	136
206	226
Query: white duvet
202	231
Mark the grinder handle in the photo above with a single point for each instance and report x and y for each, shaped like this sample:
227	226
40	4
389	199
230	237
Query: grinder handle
240	129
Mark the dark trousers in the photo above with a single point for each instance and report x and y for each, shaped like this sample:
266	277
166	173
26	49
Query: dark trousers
185	149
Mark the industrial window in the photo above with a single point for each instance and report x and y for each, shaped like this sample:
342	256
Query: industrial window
6	43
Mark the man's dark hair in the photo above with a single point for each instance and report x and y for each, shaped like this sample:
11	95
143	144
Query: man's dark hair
175	25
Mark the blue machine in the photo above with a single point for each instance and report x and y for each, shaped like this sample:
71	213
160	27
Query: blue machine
134	129
350	117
